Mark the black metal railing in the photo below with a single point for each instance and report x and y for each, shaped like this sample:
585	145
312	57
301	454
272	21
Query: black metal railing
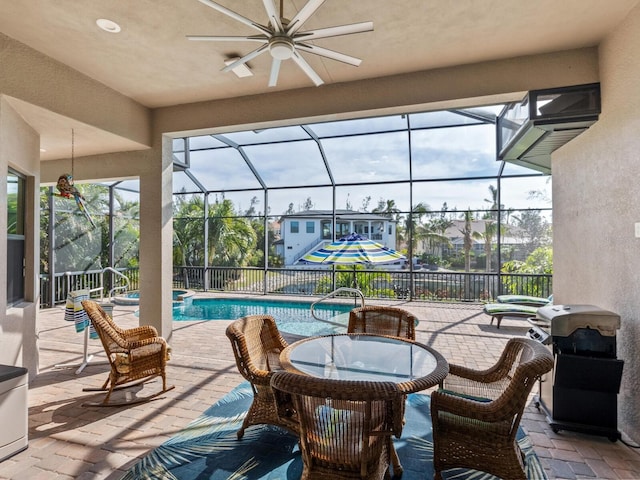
418	285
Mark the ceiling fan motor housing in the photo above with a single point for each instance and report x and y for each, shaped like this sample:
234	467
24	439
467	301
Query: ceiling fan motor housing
281	47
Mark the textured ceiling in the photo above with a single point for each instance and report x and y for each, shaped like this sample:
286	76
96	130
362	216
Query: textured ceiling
151	61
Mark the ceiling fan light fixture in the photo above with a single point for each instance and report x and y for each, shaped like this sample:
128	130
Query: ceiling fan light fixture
284	40
281	48
241	70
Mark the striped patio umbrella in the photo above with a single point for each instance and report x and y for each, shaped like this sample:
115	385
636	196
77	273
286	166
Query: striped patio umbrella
351	250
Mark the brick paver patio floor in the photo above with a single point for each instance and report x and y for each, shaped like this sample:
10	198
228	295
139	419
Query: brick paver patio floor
67	440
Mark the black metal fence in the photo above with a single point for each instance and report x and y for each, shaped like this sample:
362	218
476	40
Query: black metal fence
417	285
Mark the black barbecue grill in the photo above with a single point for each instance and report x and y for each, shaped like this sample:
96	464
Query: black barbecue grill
581	394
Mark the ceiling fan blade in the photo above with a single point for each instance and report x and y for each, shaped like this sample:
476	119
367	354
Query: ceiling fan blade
335	31
246	58
213	38
274	17
235	16
275	70
303	15
325	52
306	68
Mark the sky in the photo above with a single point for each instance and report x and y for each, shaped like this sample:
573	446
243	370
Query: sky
450	156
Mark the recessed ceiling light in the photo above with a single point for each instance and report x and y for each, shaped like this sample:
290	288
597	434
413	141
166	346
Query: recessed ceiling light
108	25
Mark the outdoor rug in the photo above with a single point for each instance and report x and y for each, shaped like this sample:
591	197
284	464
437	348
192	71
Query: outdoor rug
208	448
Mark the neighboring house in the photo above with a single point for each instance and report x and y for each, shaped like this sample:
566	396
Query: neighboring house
306	231
512	236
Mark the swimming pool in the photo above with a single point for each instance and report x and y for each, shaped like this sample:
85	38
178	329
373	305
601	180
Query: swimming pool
291	317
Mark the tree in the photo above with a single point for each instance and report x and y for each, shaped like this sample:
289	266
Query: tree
365	203
430	237
348	205
434	232
78	246
231	237
126	235
308	204
534	230
490	225
188	230
467	234
539	262
413	221
251	211
388	208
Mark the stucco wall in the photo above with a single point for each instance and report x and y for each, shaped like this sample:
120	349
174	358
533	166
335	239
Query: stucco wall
32	77
20	150
596	202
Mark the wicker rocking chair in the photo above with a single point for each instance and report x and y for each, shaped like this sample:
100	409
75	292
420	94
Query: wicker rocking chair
477	413
135	355
382	320
257	344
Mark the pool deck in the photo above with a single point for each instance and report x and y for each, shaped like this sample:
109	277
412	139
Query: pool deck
69	441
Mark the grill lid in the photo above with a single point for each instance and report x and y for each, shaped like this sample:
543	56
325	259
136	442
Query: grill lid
566	319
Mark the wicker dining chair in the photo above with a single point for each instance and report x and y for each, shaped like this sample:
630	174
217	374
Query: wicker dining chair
476	414
135	356
257	343
345	427
383	320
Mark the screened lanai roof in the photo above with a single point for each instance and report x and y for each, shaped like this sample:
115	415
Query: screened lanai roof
436	152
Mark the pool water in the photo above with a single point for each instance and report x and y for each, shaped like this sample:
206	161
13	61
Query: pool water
291	317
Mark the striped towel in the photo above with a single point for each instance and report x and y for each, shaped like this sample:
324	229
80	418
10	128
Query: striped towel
74	312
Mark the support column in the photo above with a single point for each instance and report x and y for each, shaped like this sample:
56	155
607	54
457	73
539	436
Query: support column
156	240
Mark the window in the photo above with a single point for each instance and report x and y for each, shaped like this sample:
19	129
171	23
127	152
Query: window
15	237
311	227
295	226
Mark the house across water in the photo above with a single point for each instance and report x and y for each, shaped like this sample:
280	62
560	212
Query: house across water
306	231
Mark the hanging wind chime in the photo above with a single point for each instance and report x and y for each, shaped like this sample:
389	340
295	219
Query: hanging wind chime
68	190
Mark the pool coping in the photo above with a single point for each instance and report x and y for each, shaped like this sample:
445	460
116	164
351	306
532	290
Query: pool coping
122	299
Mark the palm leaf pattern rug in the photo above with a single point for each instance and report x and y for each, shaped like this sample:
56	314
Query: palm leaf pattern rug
208	448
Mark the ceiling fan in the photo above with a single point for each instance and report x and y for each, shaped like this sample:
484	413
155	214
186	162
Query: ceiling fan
283	39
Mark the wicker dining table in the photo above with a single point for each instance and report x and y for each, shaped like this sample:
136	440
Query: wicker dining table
411	365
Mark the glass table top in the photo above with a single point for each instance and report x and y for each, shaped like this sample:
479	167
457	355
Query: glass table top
366	358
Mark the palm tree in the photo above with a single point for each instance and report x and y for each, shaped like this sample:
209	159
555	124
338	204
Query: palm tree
467	235
188	231
413	222
126	235
231	237
389	209
431	237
